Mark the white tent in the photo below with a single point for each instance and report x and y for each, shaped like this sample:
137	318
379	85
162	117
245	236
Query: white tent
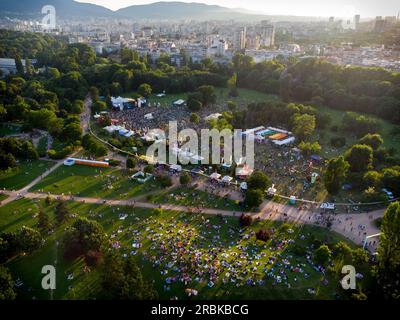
176	167
215	176
129	134
179	102
119	102
123	131
272	190
197	158
226	179
113	128
213	116
284	142
244	171
328	206
142	177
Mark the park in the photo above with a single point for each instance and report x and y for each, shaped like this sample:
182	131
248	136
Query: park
78	190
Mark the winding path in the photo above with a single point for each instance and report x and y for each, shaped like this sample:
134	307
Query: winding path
345	224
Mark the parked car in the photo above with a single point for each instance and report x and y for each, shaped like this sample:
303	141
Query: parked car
388	193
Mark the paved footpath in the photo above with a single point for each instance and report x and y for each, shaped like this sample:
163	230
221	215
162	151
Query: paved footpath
345	224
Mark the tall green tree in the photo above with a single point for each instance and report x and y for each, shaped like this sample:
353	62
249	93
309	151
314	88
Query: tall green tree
258	180
145	90
123	280
18	65
322	255
44	223
62	212
84	236
360	157
304	126
375	141
254	198
7	292
388	269
335	174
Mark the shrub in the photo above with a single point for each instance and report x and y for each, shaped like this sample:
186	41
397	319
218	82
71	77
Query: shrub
93	258
165	181
245	220
185	179
263	235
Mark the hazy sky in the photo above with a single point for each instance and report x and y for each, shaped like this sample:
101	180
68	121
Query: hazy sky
342	8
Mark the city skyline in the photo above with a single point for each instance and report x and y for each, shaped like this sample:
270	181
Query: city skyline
341	8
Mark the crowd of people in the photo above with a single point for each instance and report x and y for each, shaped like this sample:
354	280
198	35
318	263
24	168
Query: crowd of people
135	120
193	251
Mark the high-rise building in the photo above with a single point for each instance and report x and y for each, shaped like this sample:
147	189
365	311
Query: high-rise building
380	24
239	39
267	34
357	21
253	42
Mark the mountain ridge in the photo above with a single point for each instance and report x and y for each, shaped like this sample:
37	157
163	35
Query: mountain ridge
157	11
173	10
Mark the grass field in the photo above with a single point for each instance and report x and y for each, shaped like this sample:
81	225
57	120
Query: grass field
207	230
245	97
17	178
391	140
190	197
107	183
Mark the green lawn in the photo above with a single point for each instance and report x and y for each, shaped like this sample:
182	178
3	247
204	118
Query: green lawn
324	136
245	97
17	178
108	183
205	231
190	197
9	129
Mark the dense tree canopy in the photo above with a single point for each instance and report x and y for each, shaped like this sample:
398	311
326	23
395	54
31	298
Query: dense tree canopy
360	158
335	174
389	252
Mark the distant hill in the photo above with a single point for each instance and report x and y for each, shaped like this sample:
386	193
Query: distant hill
184	11
64	8
150	12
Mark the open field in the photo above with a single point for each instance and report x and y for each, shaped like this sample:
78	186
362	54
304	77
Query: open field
245	97
107	183
189	197
197	232
17	178
391	140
